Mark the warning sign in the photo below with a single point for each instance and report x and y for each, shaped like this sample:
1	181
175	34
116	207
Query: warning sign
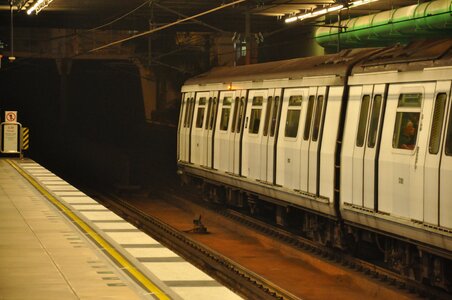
10	116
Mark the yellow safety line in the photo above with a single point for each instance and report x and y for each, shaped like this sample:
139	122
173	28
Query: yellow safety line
138	275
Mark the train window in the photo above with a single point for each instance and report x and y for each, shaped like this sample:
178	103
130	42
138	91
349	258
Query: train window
307	126
410	100
374	120
405	130
209	113
201	111
274	116
318	118
268	114
187	109
255	118
225	112
407	122
191	111
240	116
258	100
295	100
437	125
234	116
449	135
363	120
293	116
200	117
213	113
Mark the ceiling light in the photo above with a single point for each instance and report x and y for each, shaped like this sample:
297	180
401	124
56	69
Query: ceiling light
324	11
38	6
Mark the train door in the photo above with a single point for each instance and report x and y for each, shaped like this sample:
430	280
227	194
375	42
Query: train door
236	131
268	136
290	137
305	144
445	201
209	128
253	132
403	149
310	151
198	147
223	135
372	147
365	145
185	127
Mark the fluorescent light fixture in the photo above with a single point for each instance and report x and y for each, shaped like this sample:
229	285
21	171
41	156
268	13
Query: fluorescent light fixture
38	6
327	10
360	2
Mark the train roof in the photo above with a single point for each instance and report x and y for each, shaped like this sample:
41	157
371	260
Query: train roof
333	64
414	56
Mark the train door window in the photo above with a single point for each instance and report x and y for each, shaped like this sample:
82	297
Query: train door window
191	108
374	121
268	114
201	110
256	111
234	116
240	116
437	126
407	121
187	110
225	112
448	147
307	126
213	113
293	116
209	113
318	118
274	116
363	120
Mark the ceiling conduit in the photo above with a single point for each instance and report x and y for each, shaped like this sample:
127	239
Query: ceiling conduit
401	25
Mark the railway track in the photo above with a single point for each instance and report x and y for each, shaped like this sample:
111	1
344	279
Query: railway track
247	283
369	269
239	279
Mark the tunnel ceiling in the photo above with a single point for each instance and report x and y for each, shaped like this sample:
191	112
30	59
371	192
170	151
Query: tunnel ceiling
265	15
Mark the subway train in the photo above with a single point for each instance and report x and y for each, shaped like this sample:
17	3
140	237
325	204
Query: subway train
352	150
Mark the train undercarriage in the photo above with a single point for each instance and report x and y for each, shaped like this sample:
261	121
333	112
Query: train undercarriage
408	258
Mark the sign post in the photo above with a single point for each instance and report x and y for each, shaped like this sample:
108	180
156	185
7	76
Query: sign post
11	140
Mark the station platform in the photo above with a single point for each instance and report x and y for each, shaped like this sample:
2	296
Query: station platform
58	243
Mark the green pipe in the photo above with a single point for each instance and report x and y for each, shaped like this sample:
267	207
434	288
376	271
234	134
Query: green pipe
401	25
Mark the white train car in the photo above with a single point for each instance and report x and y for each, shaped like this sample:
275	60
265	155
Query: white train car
349	148
230	130
396	156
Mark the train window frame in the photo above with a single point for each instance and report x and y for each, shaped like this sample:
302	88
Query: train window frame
225	113
407	121
437	123
374	123
320	105
293	116
362	120
307	126
255	115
